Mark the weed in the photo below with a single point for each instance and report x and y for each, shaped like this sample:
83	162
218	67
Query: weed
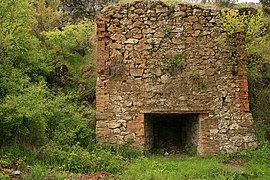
126	151
190	149
195	75
4	176
202	85
153	43
200	35
166	31
38	172
130	141
152	74
175	62
171	10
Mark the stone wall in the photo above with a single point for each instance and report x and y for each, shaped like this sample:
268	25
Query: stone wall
154	58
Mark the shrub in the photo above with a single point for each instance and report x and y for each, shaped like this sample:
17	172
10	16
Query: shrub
71	50
66	122
22	116
12	80
35	116
78	159
260	155
18	47
265	6
124	150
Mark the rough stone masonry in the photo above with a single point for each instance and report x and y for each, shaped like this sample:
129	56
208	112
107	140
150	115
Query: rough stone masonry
158	59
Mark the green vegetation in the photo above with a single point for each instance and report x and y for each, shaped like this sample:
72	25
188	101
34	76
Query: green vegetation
178	168
195	75
47	82
249	164
166	31
152	74
47	95
265	6
197	79
255	26
175	62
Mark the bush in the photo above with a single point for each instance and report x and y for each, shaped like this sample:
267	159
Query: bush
22	116
36	116
265	6
125	150
71	50
78	159
30	112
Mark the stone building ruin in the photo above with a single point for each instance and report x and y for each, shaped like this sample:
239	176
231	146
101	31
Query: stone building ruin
165	80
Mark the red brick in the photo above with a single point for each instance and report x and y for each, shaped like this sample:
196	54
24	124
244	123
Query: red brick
134	126
139	117
103	56
100	23
203	116
101	29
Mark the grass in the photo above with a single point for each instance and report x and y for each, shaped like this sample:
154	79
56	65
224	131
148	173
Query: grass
159	167
30	166
253	163
175	62
250	164
40	171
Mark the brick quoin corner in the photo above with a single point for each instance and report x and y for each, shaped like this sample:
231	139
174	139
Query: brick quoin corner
162	70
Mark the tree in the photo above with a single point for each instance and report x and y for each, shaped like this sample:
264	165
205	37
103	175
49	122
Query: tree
31	112
18	47
47	16
266	5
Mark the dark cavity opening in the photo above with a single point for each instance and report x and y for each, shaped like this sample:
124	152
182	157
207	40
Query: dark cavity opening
223	99
171	133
